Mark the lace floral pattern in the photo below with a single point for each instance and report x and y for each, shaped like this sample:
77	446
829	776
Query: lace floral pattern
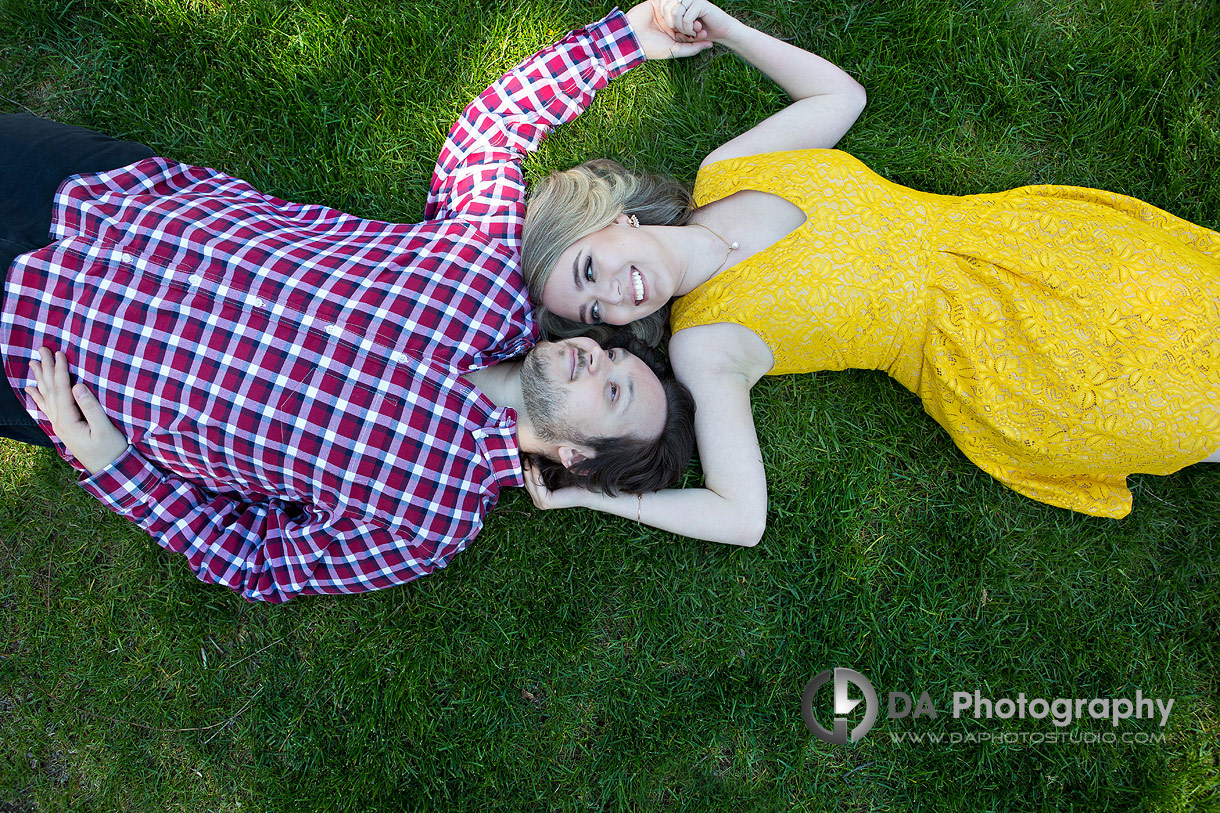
1064	337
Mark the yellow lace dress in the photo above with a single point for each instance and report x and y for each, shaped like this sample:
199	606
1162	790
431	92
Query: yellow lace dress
1064	337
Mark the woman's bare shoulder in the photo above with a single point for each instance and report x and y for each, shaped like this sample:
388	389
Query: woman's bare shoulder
720	349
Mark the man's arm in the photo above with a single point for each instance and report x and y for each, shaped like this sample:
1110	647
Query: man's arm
478	175
265	549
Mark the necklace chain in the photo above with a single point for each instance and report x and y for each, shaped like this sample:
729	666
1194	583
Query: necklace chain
729	247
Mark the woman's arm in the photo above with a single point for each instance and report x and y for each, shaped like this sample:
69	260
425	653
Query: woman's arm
825	100
719	363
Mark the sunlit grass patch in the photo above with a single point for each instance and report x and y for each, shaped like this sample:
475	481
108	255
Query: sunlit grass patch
570	660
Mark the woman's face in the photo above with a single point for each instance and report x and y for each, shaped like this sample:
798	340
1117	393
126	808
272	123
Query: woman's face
613	276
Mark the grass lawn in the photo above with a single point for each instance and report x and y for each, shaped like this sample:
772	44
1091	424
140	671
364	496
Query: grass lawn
572	661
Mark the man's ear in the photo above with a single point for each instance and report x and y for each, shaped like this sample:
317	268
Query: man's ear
571	456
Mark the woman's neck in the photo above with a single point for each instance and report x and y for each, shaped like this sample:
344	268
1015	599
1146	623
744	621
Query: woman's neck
707	252
732	229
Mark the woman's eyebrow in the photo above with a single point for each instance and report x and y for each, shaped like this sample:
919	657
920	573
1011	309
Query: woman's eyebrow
580	286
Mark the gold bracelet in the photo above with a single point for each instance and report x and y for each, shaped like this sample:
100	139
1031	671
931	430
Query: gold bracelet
639	506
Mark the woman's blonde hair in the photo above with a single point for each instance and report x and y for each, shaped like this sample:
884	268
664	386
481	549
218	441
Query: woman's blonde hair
566	206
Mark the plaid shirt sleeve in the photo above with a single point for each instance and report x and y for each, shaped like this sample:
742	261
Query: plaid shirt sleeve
263	548
478	174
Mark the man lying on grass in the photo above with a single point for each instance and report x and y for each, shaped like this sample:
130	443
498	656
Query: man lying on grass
303	401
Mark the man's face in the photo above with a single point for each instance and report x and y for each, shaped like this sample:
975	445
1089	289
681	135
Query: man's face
575	390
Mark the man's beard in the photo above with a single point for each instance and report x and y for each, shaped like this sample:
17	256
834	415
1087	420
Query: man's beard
545	401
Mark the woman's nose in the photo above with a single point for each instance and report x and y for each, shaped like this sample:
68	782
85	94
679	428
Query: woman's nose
614	291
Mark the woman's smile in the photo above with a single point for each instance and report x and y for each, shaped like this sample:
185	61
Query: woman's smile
638	289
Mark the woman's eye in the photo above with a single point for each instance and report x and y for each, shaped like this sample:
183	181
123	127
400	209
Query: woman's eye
589	269
596	313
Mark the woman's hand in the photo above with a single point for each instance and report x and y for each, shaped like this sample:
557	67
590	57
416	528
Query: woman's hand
546	499
658	38
75	414
692	20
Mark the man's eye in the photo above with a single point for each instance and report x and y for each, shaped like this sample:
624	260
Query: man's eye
614	392
613	353
596	313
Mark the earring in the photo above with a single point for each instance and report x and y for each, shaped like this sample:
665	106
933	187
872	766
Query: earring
634	221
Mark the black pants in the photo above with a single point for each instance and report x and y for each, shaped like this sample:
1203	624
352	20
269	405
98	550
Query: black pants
36	156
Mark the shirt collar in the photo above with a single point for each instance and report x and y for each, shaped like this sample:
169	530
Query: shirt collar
497	442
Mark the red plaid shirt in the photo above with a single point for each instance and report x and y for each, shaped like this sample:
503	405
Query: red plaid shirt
289	376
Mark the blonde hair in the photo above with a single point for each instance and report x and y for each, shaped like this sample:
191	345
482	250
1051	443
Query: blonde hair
566	206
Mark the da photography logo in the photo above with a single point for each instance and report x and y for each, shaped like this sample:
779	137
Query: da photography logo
843	705
912	710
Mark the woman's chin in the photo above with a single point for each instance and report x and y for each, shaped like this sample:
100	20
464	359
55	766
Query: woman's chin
644	310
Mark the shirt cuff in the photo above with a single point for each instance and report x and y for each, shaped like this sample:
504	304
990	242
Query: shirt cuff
124	483
616	44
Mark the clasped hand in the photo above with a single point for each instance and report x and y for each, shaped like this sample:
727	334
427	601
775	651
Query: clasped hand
668	29
75	414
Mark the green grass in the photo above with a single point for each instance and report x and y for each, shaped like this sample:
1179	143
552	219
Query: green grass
572	661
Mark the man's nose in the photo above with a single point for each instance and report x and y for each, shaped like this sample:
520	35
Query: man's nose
594	360
588	354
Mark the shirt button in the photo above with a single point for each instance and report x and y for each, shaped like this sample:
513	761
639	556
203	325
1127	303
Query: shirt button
258	303
479	434
127	258
195	279
400	357
334	330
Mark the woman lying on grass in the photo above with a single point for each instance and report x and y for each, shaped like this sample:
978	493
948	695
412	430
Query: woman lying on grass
1064	337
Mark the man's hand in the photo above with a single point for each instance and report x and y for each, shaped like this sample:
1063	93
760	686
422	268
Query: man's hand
693	20
652	21
75	414
546	499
